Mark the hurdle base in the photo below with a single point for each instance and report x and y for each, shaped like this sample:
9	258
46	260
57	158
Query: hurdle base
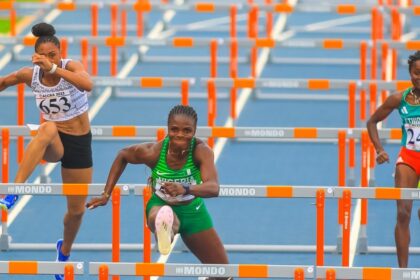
362	243
5	240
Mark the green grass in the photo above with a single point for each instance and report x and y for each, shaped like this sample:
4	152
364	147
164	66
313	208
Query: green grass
4	26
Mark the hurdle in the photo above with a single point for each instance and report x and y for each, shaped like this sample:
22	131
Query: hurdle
65	190
217	270
379	273
69	269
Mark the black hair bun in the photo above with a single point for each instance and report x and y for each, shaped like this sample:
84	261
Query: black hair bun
43	29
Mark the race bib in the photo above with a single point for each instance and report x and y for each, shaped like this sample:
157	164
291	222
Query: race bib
413	137
56	104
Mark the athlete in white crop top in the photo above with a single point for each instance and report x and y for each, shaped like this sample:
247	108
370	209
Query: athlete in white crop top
60	87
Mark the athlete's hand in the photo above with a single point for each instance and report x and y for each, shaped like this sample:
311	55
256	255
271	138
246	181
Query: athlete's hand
97	201
42	61
172	189
382	157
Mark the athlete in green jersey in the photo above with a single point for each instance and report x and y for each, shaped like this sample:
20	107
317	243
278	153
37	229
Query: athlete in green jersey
183	173
407	168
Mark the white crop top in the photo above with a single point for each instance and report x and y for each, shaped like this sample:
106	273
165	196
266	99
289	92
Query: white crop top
61	102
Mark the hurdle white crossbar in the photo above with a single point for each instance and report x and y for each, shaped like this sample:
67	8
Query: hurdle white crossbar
39	267
379	273
250	191
99	132
190	42
310	84
190	270
58	189
208	7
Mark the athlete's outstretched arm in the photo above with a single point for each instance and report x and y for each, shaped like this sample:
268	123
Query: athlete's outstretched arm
23	75
135	154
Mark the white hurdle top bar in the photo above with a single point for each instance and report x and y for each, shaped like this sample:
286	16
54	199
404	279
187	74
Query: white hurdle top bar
191	270
191	42
382	273
99	132
38	267
209	7
58	189
245	191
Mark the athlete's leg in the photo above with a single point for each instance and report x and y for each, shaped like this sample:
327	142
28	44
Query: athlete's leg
75	205
405	177
151	218
207	247
45	145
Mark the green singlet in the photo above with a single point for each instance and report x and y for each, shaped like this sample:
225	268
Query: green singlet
193	216
410	116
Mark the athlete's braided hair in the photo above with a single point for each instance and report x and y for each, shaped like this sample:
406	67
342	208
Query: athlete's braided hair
45	33
412	59
183	110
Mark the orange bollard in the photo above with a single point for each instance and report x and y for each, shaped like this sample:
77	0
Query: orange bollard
114	61
3	216
234	58
123	20
363	76
103	272
364	148
341	158
139	23
233	14
254	57
320	222
68	272
299	274
352	124
5	137
211	105
233	103
94	16
114	19
211	93
372	99
374	23
94	66
184	92
84	46
269	20
116	209
346	227
160	134
352	105
94	22
364	173
253	22
147	235
213	58
394	68
374	62
341	169
12	22
330	274
384	64
64	47
20	119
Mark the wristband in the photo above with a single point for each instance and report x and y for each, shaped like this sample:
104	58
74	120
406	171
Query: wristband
107	195
53	68
186	187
